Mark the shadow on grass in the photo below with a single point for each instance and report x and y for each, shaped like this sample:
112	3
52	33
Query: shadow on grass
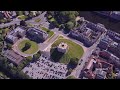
56	55
24	49
71	66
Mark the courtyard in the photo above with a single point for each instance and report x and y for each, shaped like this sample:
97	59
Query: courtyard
20	44
33	48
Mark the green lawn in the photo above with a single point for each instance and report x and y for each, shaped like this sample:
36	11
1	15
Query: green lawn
31	50
52	20
22	17
74	51
37	20
60	37
29	24
71	77
48	31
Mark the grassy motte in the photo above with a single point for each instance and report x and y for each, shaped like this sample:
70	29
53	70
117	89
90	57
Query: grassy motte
74	51
33	48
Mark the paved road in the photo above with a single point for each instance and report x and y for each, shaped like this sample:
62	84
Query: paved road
17	21
48	42
86	56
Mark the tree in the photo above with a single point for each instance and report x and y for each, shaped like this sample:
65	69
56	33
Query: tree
23	23
22	75
74	62
26	47
9	46
69	25
1	46
29	58
36	56
51	13
69	71
72	17
19	13
1	38
27	44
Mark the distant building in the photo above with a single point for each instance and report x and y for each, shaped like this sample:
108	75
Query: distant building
105	54
96	68
34	12
115	15
115	60
113	35
105	43
13	57
103	13
88	33
114	50
37	34
26	13
11	38
14	35
100	74
14	14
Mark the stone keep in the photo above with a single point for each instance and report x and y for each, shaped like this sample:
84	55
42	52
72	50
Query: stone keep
62	47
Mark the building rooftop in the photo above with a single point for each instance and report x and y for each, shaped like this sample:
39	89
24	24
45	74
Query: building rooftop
13	56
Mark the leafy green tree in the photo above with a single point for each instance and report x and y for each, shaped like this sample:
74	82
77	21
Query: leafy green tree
29	58
74	62
23	23
22	75
69	25
27	44
19	13
26	47
36	56
9	46
69	71
63	17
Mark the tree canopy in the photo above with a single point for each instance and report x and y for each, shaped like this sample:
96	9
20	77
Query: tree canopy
64	17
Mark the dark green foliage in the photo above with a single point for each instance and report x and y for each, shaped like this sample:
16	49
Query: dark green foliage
9	46
63	17
23	23
69	25
73	62
11	71
37	55
26	47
